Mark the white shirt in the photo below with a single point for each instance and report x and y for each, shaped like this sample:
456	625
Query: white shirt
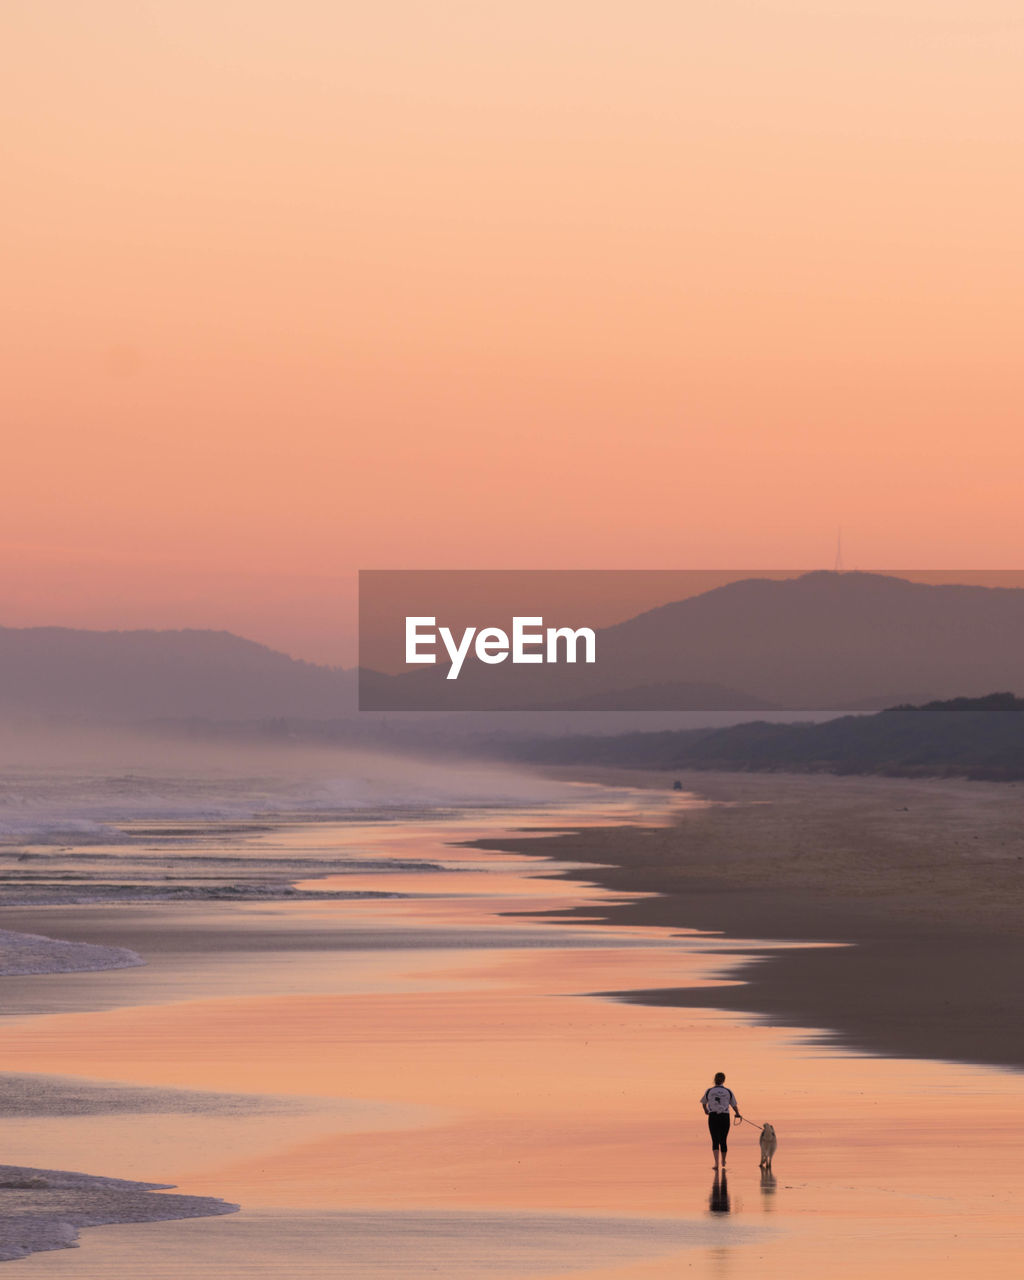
718	1099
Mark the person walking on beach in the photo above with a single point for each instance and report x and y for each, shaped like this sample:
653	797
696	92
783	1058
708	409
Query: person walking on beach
716	1103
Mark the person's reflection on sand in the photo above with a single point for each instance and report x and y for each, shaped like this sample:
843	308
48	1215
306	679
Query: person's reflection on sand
719	1199
768	1183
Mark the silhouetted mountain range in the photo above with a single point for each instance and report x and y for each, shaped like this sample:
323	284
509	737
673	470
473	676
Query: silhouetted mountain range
823	641
142	675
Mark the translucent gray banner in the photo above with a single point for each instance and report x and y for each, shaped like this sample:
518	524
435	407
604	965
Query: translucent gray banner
687	640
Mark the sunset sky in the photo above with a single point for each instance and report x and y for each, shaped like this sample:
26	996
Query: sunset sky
293	289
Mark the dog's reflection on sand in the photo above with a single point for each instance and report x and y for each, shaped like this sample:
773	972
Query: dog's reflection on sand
769	1182
718	1201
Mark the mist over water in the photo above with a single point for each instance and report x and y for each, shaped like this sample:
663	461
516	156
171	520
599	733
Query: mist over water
86	785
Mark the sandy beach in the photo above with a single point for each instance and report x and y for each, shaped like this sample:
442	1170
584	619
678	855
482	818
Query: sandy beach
924	878
401	1064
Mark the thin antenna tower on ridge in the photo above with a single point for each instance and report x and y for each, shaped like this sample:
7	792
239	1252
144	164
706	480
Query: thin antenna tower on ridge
839	550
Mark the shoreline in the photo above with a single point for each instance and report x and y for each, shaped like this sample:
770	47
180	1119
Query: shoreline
42	1210
458	1071
922	879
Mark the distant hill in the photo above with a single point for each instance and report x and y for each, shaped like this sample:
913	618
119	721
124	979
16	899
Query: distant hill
822	641
972	737
139	675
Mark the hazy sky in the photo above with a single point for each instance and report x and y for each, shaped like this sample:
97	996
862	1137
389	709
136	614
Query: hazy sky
297	288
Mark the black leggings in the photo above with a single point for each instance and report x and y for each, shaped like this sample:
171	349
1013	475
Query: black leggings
719	1126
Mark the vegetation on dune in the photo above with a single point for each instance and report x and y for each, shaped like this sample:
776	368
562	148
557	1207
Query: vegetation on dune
969	737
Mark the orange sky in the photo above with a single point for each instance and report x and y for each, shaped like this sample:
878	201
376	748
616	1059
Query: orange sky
293	289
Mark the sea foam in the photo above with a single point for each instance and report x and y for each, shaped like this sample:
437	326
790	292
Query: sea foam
28	953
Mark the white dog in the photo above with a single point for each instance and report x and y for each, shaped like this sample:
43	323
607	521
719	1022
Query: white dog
768	1145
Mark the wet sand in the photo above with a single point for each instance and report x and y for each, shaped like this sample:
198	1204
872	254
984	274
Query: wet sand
924	878
415	1085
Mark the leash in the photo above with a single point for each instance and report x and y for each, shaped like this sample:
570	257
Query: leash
742	1120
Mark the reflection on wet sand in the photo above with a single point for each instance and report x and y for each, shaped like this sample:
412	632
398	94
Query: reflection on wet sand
470	1100
719	1200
